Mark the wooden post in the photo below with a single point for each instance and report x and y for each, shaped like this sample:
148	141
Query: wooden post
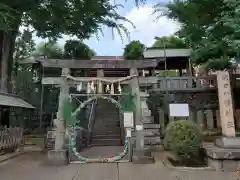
225	103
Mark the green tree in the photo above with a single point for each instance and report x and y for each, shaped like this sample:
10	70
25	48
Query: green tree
24	47
23	77
6	16
169	42
49	50
202	29
77	50
231	19
51	19
134	50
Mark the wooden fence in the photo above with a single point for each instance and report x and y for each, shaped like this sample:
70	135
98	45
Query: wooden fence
206	120
10	138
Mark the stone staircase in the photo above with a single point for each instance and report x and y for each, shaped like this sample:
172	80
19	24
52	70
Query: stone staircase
106	129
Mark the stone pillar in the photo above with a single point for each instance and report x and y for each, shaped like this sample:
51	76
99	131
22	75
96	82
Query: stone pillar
139	153
162	121
58	156
100	74
210	122
200	118
218	119
225	103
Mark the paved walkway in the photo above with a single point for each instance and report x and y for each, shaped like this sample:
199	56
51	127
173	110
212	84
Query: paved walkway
30	167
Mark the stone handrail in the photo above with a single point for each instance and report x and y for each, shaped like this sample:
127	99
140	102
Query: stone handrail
187	83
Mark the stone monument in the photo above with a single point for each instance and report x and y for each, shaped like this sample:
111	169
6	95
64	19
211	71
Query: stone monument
225	154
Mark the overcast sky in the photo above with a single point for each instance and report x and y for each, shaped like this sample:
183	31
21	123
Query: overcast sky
146	29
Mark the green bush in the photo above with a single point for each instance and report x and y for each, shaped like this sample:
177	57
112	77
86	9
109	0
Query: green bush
184	140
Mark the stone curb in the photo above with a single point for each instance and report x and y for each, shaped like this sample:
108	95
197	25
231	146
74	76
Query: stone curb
16	154
170	166
11	156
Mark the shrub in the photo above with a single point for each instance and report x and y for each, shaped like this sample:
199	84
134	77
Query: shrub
184	140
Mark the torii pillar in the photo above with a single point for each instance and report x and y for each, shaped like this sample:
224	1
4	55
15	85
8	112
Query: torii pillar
58	156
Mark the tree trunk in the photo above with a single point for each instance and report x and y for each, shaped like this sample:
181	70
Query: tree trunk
4	63
7	43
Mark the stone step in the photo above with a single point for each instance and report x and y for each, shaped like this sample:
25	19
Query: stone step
108	123
109	132
106	113
106	142
106	128
107	119
103	124
107	136
113	125
106	105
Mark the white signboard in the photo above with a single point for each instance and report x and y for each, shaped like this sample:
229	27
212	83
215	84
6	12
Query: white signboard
139	127
128	120
129	132
179	110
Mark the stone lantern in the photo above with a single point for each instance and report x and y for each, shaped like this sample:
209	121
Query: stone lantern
146	113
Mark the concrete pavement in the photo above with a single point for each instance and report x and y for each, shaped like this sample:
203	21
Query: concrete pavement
30	166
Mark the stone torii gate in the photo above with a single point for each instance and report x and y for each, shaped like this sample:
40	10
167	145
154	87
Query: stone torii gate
58	156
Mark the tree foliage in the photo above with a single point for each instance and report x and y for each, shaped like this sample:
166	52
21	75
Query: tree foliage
203	29
51	19
231	19
23	77
6	16
134	50
169	42
73	49
49	50
77	50
24	47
